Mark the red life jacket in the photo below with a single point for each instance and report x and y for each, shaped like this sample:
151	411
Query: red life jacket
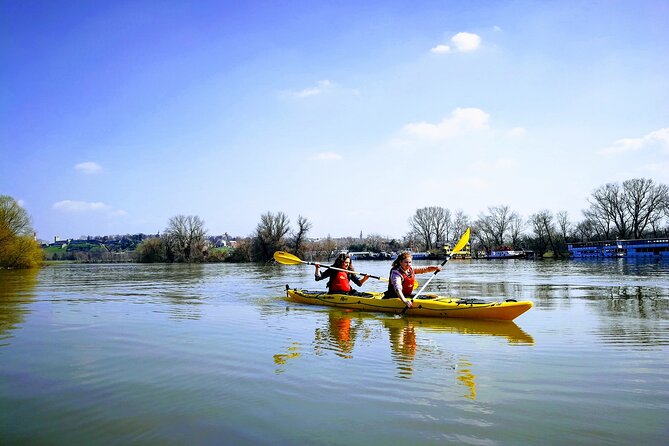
339	282
407	283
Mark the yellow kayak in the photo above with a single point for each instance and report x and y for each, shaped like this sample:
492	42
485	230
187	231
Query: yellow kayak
426	305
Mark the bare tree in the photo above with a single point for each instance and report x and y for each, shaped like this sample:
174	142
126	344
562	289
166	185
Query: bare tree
431	225
270	234
607	209
495	228
639	204
516	226
303	227
563	224
645	202
185	235
442	226
375	242
460	224
540	242
546	232
422	226
585	230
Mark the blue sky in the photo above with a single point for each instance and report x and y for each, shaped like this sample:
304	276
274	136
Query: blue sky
116	116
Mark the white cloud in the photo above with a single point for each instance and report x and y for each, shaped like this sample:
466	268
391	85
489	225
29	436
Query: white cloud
96	207
326	156
460	121
496	28
658	139
88	167
320	87
441	49
80	206
516	132
465	42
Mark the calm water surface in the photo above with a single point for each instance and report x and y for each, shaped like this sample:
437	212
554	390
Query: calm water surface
214	354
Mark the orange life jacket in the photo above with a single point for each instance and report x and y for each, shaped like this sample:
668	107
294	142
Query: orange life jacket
407	284
339	282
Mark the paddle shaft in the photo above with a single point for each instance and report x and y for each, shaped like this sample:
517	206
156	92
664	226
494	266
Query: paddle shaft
344	270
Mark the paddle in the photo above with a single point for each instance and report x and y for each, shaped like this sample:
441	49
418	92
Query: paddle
458	247
289	259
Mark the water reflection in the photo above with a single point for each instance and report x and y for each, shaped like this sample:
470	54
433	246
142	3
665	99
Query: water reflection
339	334
409	339
405	346
17	289
467	378
291	353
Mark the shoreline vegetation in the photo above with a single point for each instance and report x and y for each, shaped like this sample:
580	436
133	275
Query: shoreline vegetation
635	209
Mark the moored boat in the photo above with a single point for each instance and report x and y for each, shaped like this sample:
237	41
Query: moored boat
425	305
506	253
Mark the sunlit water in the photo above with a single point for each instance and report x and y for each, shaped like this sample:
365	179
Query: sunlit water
214	354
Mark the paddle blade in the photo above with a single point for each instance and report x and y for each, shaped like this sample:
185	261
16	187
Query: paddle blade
286	258
462	242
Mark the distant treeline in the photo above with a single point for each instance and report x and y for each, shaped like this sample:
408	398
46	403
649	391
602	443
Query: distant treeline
634	209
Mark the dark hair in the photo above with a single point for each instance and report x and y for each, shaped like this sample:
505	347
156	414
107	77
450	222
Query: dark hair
402	256
341	258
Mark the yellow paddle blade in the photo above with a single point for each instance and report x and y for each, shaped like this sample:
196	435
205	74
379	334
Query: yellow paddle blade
286	258
462	242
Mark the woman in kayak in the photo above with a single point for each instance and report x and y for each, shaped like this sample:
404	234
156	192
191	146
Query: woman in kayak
402	278
339	282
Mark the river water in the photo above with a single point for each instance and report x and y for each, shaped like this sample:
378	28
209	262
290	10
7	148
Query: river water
214	354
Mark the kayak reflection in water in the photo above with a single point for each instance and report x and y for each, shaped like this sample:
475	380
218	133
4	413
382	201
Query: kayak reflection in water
340	281
339	335
403	346
402	278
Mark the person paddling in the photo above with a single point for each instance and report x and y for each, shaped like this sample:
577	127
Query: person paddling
402	278
339	282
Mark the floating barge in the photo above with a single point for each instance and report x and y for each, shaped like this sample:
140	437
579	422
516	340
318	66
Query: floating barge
642	248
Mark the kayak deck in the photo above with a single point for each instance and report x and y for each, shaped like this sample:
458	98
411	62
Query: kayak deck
426	305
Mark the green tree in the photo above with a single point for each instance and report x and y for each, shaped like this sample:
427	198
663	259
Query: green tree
18	248
152	250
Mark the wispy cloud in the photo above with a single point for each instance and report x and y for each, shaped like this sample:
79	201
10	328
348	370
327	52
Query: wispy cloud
441	49
463	42
81	206
326	156
88	167
658	139
461	120
78	207
516	132
316	90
